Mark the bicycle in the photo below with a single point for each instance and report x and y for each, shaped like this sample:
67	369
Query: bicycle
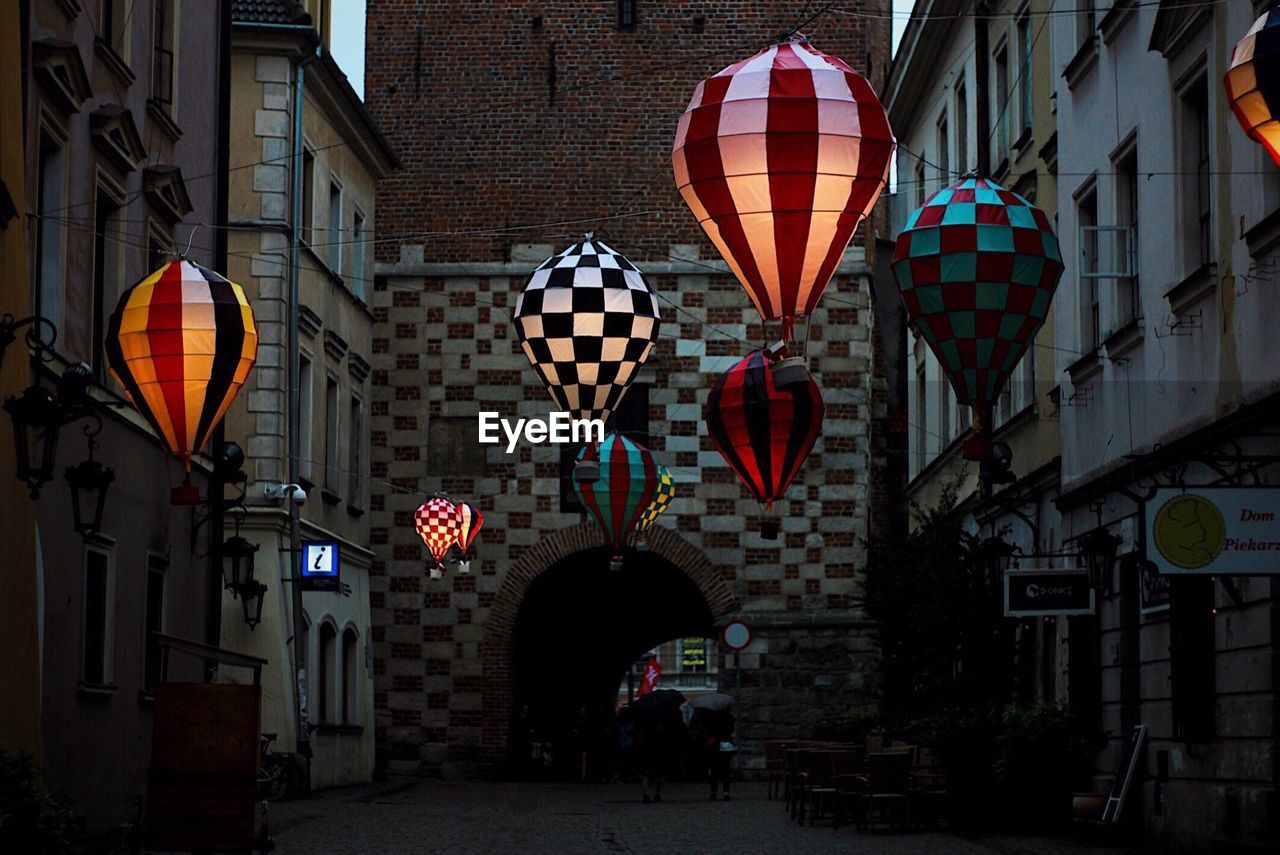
280	774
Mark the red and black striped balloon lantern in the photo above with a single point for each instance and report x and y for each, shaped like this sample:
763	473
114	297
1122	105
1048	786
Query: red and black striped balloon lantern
762	430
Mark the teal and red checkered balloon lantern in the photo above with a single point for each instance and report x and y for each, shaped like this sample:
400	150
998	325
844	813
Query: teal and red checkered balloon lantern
627	486
977	266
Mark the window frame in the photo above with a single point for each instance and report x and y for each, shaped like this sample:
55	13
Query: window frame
110	249
333	432
157	565
355	449
1126	199
334	255
104	548
55	250
359	258
164	40
1090	308
306	415
1197	181
349	667
1026	75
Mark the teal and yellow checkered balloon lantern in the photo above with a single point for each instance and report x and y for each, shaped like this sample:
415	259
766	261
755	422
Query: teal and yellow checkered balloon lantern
977	266
661	501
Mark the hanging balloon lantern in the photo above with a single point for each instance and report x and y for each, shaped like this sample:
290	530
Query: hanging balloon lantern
469	522
587	320
763	431
662	499
626	487
181	342
780	157
1253	82
977	266
439	523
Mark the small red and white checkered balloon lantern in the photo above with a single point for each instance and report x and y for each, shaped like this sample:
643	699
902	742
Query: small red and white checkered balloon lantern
438	523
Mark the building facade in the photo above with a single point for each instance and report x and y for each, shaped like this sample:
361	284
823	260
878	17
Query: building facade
122	163
1167	216
573	140
945	130
301	222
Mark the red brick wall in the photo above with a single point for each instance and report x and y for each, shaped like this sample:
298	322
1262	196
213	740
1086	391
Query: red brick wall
464	92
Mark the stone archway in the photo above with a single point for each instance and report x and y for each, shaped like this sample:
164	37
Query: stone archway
495	649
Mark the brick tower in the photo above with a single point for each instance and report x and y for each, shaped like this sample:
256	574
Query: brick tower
522	125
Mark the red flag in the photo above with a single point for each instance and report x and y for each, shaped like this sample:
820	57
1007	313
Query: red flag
649	681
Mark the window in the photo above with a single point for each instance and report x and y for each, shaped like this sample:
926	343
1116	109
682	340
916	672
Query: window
355	437
325	676
627	14
335	226
1191	656
1025	94
1084	669
944	153
1128	307
1002	105
95	667
920	416
358	273
1090	315
454	449
1086	21
50	231
350	676
162	64
113	21
305	414
962	128
920	182
154	624
1196	194
945	406
108	270
308	194
331	439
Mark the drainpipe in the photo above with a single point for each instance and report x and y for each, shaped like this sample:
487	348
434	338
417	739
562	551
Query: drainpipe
295	417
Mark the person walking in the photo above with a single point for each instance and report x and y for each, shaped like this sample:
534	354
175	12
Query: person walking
712	729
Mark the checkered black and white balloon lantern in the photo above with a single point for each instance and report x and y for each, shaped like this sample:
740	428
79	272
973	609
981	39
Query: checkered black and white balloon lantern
587	320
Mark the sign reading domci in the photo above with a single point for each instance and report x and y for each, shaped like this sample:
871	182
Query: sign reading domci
1227	531
1031	593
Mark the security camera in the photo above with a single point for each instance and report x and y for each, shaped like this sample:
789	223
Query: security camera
281	492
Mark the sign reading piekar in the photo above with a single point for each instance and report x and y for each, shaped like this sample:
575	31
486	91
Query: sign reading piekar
1228	531
1031	593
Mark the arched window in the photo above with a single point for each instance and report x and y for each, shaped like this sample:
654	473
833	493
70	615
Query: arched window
326	676
350	676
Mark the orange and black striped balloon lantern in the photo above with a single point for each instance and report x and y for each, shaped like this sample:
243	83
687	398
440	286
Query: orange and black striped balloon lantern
182	342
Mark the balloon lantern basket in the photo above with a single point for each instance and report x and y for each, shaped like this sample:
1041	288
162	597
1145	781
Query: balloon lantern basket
769	530
789	371
586	472
464	567
435	572
642	546
978	448
615	564
185	494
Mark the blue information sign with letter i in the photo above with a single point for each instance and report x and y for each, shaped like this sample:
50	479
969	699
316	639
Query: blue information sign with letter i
320	565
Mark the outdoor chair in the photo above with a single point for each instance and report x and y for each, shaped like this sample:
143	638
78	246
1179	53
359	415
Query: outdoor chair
820	791
775	764
928	789
887	791
796	765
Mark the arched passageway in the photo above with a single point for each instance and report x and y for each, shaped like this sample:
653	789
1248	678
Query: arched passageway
564	629
578	629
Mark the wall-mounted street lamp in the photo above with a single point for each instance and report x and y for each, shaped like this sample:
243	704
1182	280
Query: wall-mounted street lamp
37	420
237	574
251	599
1099	549
89	482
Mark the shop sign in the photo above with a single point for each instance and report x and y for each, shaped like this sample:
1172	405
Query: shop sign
321	568
1154	589
1223	531
1036	592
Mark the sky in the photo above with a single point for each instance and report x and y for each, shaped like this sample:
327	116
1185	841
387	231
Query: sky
346	40
901	8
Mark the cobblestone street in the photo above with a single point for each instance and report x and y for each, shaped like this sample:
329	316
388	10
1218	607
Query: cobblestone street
567	819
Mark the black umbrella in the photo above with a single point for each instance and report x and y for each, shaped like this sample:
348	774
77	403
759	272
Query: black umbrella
657	702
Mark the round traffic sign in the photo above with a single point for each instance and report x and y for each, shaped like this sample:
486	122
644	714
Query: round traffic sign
736	635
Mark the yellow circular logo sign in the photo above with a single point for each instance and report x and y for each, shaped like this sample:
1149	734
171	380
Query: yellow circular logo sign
1189	531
